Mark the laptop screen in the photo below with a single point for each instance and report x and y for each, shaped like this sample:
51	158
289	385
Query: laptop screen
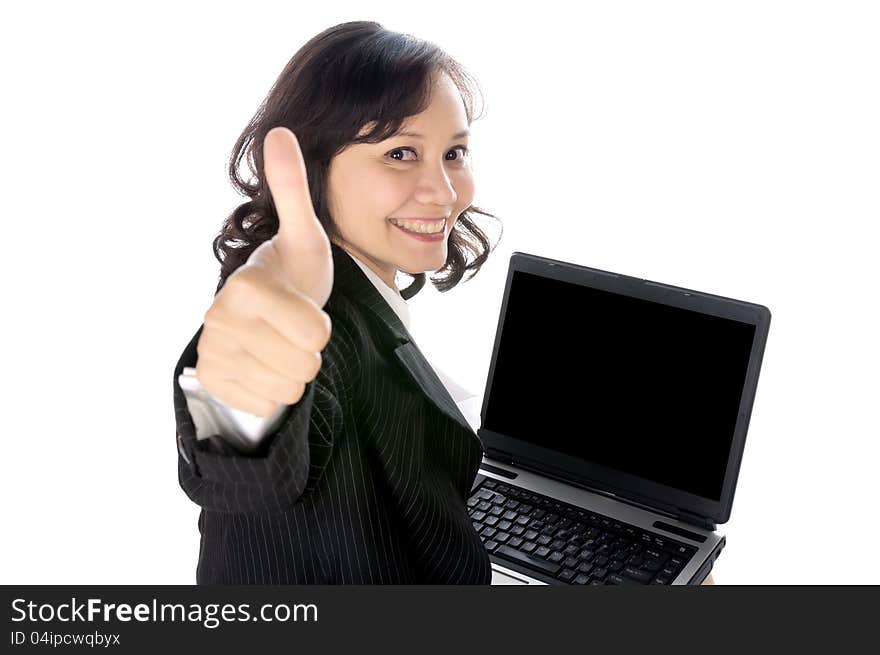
637	386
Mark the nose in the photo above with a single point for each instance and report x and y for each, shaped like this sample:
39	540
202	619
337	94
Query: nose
435	187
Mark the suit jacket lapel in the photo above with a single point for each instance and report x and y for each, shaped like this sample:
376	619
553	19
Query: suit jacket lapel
350	280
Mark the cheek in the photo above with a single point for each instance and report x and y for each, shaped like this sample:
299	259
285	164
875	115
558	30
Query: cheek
464	189
361	195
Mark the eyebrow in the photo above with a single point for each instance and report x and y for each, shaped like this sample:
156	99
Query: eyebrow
416	135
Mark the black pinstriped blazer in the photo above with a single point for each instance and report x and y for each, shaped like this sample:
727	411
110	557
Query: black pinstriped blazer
365	480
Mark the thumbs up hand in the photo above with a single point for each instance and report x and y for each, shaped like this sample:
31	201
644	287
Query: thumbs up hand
265	330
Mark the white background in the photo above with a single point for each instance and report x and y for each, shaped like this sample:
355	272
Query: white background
732	148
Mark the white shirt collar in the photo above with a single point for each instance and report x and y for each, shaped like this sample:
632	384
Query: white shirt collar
401	308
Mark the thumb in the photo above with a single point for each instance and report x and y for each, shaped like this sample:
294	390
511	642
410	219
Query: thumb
301	242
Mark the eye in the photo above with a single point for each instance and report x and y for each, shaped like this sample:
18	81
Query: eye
465	152
399	150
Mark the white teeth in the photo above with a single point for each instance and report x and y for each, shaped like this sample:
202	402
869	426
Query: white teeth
421	226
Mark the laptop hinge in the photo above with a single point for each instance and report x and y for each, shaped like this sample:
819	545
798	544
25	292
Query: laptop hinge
498	455
695	519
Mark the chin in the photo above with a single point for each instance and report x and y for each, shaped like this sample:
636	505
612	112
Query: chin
425	264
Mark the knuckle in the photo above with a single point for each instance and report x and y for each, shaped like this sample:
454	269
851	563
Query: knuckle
212	315
323	331
294	393
318	362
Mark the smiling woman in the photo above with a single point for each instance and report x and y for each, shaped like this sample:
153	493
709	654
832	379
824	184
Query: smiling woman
360	169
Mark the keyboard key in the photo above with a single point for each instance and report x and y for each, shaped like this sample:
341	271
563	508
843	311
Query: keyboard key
492	520
478	516
516	542
542	551
490	483
502	537
581	578
489	533
510	515
517	529
544	540
529	546
571	562
599	574
652	565
615	565
636	574
506	552
556	556
531	535
496	511
504	525
490	545
566	575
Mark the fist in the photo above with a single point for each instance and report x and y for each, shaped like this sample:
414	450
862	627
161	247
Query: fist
264	332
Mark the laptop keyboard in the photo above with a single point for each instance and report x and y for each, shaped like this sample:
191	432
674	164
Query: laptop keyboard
565	543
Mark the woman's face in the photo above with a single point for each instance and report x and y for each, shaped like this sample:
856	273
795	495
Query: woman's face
404	177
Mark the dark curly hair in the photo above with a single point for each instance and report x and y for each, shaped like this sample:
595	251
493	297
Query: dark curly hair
344	78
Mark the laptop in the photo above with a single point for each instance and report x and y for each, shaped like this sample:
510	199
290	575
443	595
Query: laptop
613	421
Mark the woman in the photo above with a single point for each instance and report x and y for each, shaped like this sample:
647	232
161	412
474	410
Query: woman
361	470
363	473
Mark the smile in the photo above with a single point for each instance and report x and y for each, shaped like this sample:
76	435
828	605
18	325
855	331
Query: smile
422	226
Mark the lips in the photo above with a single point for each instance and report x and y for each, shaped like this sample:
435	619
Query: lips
418	218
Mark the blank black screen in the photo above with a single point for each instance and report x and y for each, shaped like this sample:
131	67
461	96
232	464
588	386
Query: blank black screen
634	385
